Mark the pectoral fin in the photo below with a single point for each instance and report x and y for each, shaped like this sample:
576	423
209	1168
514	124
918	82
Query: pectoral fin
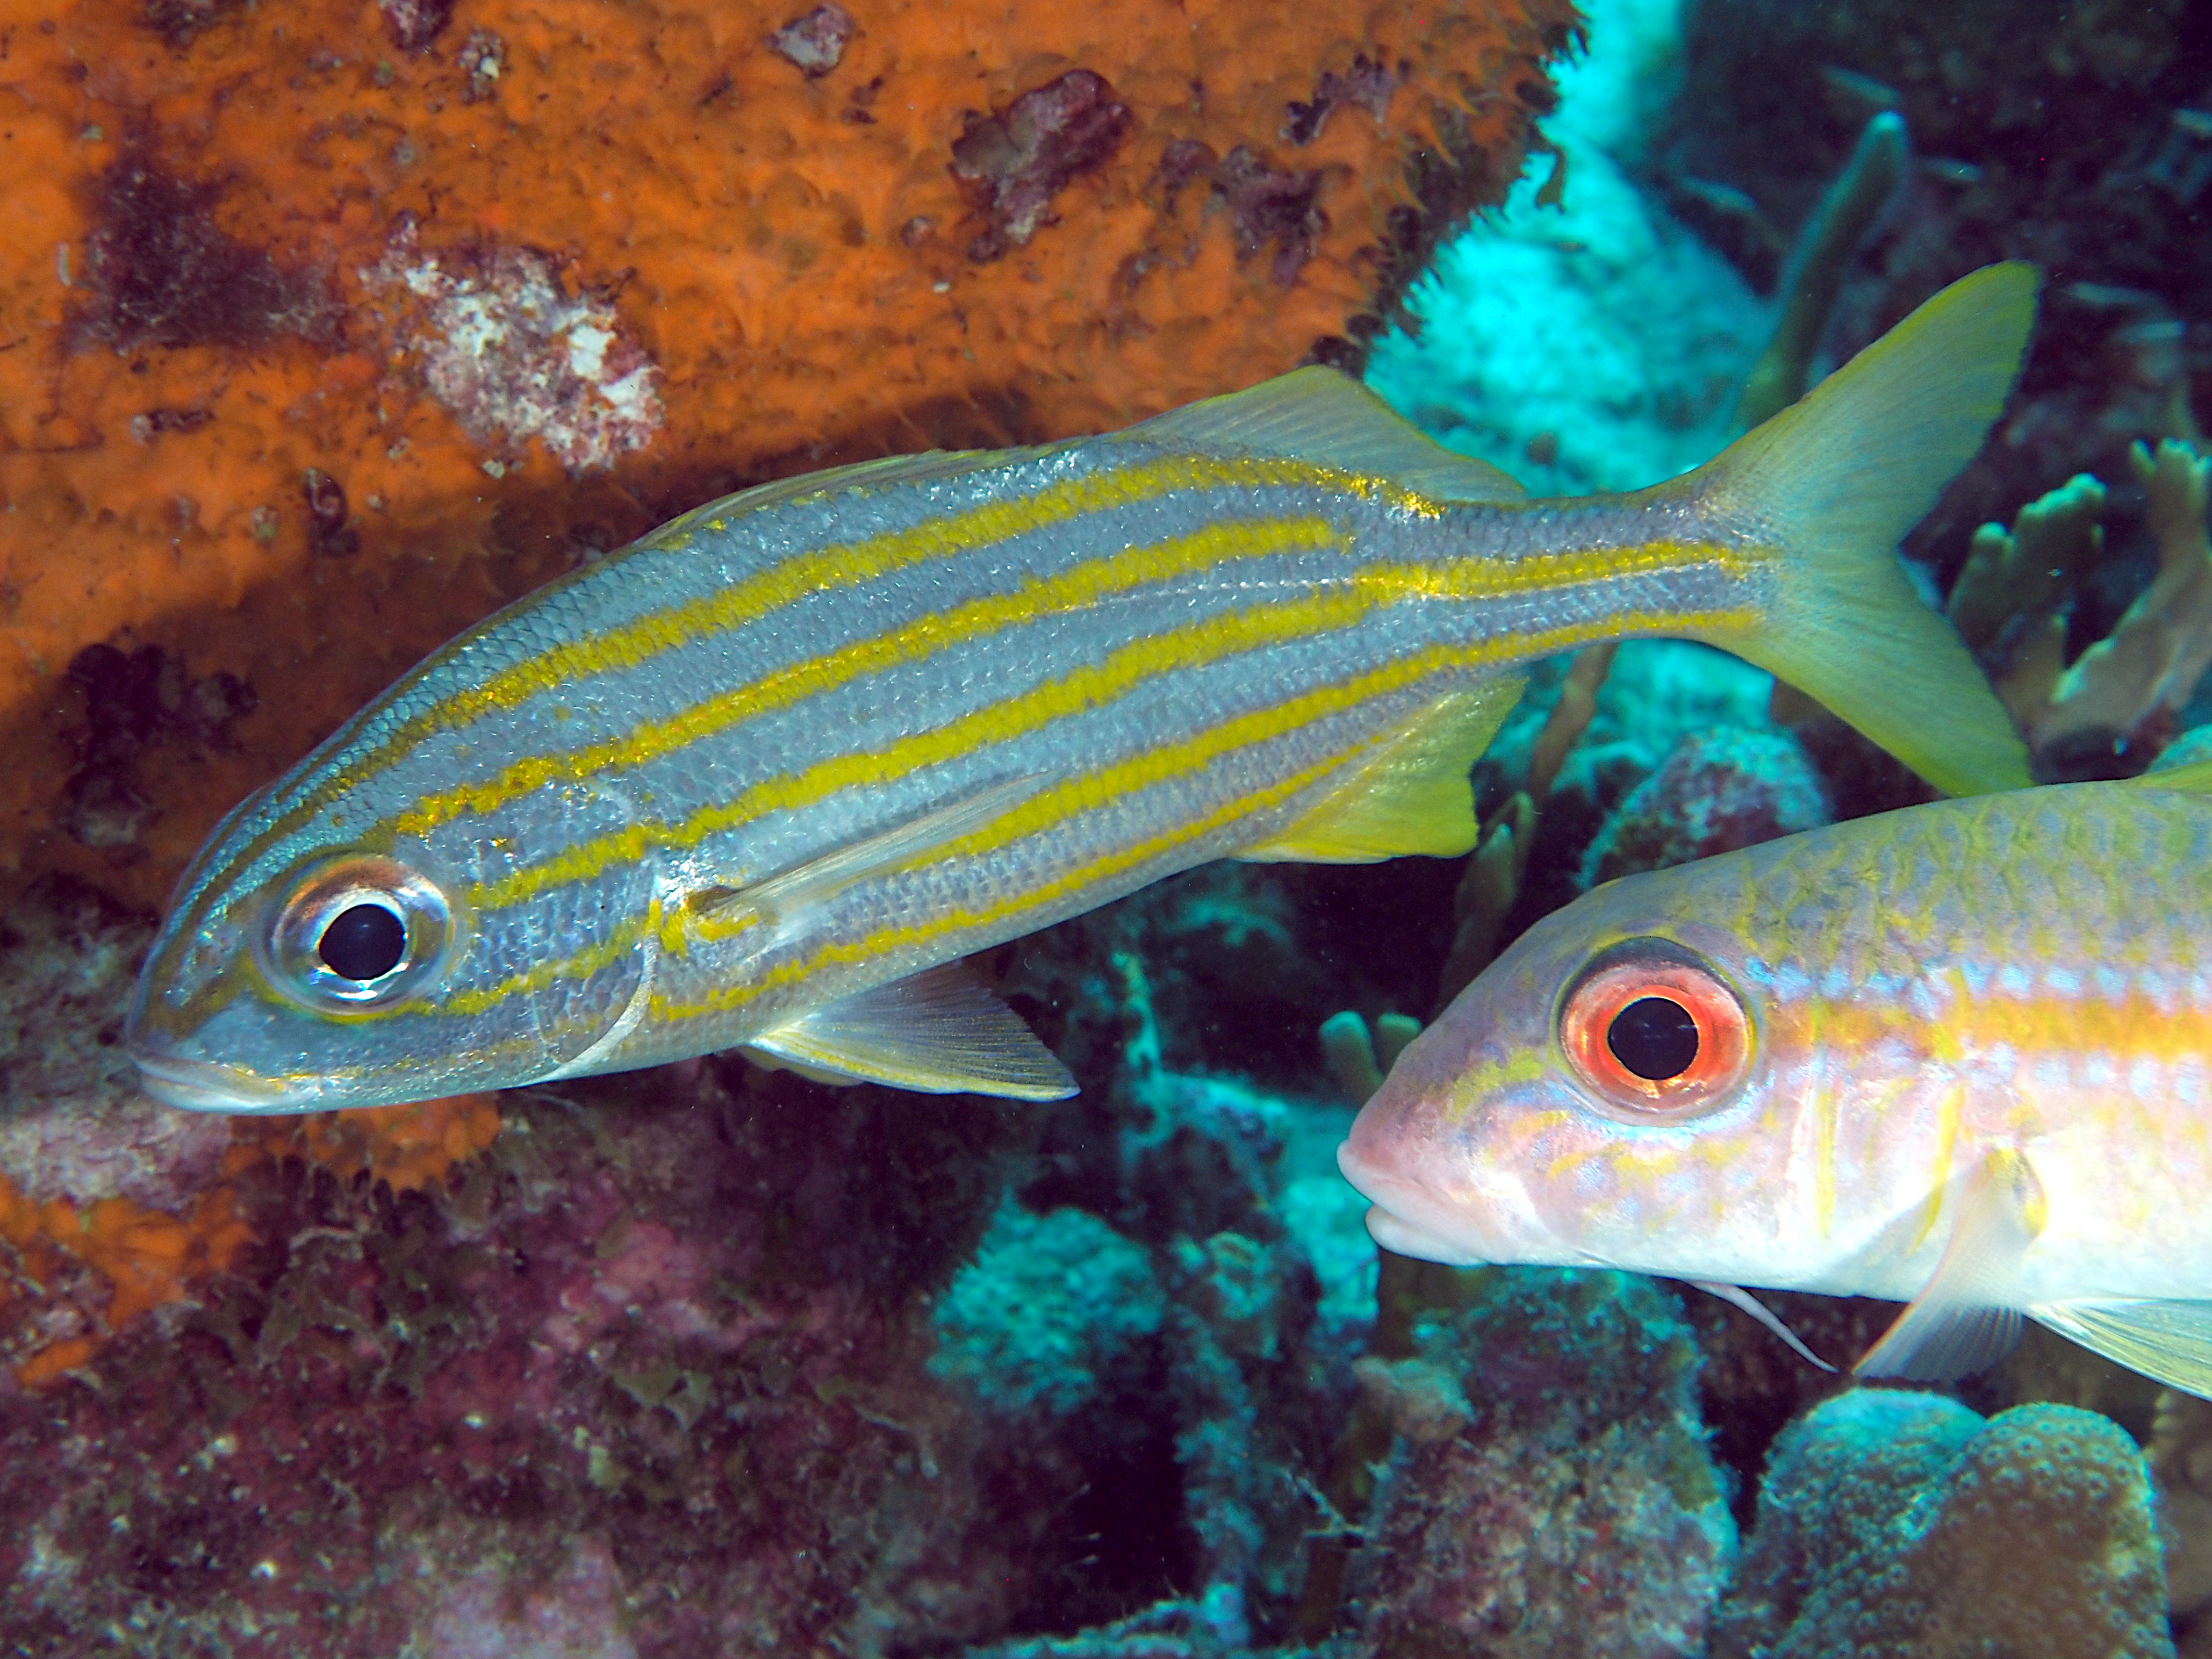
1411	796
1967	1317
787	893
2170	1341
938	1032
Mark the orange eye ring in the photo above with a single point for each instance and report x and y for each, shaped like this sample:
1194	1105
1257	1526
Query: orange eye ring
1656	1036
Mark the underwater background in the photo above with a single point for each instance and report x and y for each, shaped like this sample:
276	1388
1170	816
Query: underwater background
328	326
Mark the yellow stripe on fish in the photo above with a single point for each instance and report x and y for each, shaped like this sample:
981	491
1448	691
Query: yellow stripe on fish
758	779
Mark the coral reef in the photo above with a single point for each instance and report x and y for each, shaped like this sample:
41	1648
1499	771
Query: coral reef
1549	1489
595	1395
342	325
1717	791
346	324
2074	135
111	1206
1902	1523
2121	699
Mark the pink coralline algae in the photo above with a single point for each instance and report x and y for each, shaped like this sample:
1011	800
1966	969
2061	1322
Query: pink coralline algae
1549	1492
1717	792
645	1381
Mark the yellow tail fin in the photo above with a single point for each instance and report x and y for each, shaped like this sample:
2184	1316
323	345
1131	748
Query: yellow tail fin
1835	480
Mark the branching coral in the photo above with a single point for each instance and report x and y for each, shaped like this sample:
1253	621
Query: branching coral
2012	601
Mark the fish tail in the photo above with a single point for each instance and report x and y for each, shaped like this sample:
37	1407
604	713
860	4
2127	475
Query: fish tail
1833	482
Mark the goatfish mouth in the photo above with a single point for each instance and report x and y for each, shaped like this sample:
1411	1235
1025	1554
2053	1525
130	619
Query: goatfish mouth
1406	1220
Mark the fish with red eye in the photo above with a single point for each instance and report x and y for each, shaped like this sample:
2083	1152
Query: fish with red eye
1654	1036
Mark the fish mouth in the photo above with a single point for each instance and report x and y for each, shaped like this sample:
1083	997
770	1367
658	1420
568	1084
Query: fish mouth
1405	1219
203	1085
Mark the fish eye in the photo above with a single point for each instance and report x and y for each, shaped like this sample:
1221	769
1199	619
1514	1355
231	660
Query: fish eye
363	942
1655	1033
354	934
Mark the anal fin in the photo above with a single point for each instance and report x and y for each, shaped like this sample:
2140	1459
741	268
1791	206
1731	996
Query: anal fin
1967	1318
1411	796
2169	1342
939	1032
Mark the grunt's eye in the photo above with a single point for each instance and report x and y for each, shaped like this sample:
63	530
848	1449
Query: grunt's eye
354	934
364	942
1654	1032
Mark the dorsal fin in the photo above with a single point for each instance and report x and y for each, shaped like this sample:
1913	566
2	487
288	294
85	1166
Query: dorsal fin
1411	796
1321	416
927	467
2195	778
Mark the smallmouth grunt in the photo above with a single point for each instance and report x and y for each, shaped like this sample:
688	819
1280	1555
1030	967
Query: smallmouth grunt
1958	1056
761	778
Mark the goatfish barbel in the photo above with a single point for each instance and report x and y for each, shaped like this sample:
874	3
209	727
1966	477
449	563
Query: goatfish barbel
760	779
1958	1056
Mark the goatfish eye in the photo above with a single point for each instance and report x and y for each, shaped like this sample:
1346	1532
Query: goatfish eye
354	933
1655	1033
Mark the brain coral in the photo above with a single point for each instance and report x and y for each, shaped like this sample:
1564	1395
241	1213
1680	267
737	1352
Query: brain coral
328	327
1901	1524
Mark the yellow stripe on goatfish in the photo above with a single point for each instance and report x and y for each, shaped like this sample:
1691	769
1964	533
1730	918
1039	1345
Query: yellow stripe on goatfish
1194	647
2132	1027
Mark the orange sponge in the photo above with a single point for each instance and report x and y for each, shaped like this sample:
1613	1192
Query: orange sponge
70	1276
325	335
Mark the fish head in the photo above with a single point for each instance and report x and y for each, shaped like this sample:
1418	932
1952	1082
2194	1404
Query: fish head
1602	1094
317	957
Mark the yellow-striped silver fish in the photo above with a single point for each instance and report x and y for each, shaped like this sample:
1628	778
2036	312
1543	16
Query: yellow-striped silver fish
761	778
1959	1056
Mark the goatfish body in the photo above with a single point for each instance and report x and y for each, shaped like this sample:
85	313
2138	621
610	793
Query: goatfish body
762	778
1958	1056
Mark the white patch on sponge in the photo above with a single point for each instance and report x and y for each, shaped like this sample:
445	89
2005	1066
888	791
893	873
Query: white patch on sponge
510	355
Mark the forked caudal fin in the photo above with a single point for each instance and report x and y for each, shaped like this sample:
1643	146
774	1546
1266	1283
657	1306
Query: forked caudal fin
1834	481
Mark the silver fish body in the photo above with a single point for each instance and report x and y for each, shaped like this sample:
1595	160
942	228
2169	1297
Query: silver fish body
757	779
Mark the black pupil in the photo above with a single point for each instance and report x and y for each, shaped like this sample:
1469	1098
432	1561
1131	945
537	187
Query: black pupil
1654	1037
363	942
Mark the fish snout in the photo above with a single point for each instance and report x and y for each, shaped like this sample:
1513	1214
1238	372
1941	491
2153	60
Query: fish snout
1409	1216
206	1085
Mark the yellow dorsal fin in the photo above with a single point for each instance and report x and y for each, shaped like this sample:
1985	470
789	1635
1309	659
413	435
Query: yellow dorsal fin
2195	778
1321	416
1411	795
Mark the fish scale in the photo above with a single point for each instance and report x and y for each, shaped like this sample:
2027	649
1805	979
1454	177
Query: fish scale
756	780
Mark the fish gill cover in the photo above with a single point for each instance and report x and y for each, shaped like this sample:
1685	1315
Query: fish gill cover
337	326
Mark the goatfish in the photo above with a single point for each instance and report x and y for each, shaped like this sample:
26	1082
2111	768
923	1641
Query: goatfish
1958	1056
761	779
